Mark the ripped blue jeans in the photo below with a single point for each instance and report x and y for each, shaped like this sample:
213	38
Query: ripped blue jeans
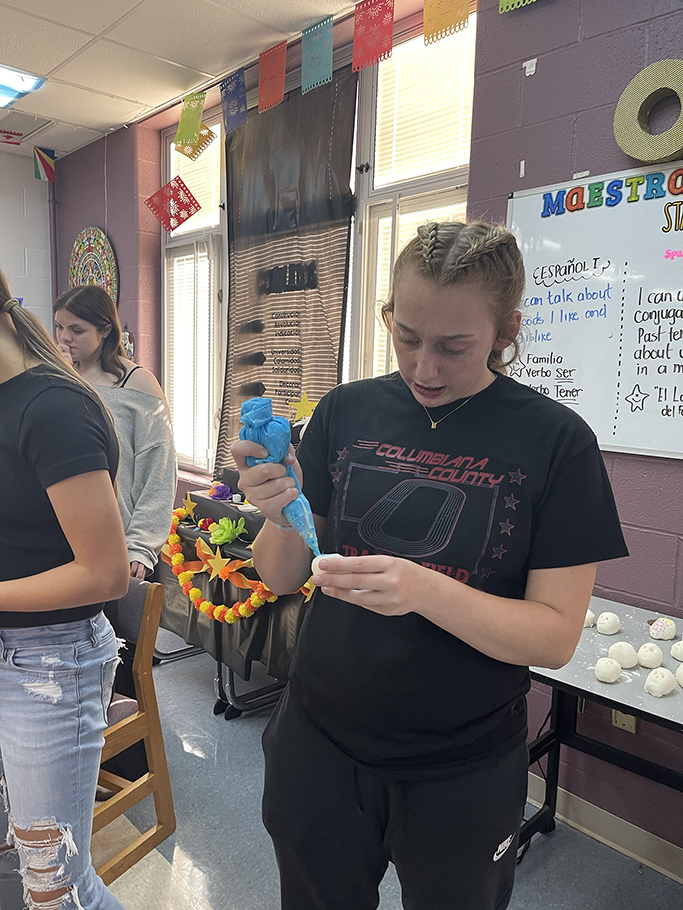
55	687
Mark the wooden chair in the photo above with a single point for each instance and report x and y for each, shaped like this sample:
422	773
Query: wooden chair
136	618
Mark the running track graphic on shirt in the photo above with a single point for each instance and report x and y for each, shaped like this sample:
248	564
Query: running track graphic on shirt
417	516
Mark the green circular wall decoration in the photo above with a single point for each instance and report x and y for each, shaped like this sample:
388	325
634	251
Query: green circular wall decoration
631	129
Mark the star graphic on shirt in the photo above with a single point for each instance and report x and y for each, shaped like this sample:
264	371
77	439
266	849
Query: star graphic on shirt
511	502
516	476
505	526
487	572
342	455
498	552
336	475
637	398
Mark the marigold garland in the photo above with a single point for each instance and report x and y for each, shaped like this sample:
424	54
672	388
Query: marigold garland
172	553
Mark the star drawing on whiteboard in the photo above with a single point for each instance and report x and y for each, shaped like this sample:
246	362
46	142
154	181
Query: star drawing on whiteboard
637	398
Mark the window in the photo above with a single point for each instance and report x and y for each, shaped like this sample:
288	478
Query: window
203	178
190	287
194	322
414	134
424	108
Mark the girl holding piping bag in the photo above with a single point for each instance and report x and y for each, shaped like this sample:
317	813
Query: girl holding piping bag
466	514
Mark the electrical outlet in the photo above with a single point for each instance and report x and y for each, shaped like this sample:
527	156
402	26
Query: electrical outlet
624	721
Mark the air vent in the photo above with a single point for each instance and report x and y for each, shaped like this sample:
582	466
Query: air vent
25	124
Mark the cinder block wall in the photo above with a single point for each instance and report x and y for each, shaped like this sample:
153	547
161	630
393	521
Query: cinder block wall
24	234
116	205
559	122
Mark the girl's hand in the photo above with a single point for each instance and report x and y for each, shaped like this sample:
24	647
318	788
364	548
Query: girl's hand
66	353
383	584
138	570
267	485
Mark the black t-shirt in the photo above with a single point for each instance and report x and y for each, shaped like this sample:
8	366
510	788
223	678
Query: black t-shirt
50	429
511	482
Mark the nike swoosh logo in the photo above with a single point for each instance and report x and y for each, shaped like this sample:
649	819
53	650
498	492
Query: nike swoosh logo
502	848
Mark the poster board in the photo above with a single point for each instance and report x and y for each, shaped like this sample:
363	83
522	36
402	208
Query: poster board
602	314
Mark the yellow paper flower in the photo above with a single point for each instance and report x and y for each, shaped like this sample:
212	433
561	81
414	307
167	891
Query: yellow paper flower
195	594
177	559
184	577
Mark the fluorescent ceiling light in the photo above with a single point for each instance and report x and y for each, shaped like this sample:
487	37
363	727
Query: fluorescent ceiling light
14	84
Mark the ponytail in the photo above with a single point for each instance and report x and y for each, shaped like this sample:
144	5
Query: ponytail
32	337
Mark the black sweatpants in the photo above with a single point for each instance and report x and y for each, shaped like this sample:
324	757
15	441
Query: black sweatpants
336	825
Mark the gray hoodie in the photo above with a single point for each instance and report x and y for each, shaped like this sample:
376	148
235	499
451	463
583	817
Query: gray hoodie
148	474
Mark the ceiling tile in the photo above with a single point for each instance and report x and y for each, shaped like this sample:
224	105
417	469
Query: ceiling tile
64	138
195	33
291	17
35	45
81	14
129	73
77	105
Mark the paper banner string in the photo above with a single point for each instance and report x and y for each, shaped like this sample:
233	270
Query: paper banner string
234	101
373	32
316	55
444	17
271	76
504	6
190	119
173	204
206	137
44	164
9	137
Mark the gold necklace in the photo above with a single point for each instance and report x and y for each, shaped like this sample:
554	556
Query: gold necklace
435	423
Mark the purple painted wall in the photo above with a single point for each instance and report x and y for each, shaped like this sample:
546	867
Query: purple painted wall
105	184
559	121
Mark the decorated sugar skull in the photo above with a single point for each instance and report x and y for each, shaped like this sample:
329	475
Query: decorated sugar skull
663	629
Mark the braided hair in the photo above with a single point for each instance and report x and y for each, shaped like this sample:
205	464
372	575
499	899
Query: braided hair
455	253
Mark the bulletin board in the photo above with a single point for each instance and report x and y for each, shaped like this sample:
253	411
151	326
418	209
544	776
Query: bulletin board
602	314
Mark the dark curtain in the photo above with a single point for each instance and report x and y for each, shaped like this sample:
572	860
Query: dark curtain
289	217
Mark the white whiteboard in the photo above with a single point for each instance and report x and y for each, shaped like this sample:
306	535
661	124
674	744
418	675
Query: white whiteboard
602	320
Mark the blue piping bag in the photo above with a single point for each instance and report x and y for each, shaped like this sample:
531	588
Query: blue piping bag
273	433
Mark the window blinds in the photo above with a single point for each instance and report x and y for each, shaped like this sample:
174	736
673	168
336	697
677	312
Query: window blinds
424	107
190	286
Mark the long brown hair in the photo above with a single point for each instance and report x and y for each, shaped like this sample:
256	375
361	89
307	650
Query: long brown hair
33	339
91	303
455	253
